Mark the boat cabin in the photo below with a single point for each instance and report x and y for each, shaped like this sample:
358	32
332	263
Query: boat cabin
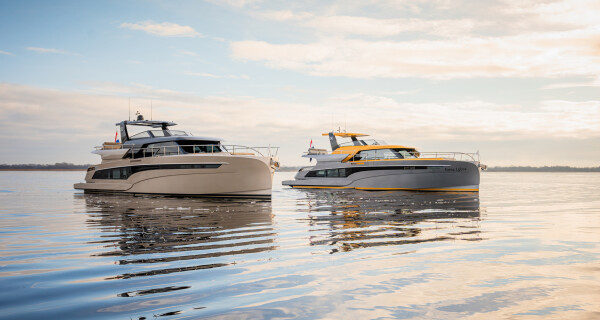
162	141
371	149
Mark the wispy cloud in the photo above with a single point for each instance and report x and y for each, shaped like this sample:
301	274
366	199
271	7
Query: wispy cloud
566	85
372	27
470	122
235	3
507	38
216	76
52	50
474	119
6	53
566	53
165	29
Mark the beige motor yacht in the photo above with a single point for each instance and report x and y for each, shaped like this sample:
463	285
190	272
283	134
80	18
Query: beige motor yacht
172	162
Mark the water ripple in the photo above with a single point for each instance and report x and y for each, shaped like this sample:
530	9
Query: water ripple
513	250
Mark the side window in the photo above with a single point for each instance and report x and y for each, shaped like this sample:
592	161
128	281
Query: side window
344	172
368	155
163	148
200	146
407	154
116	173
332	173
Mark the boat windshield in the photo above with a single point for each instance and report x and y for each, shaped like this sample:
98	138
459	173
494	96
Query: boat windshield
178	133
158	133
143	134
373	142
367	142
385	154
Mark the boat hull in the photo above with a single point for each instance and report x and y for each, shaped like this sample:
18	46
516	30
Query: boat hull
185	175
424	175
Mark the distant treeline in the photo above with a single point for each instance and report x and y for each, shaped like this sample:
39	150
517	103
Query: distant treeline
56	166
508	169
543	169
288	169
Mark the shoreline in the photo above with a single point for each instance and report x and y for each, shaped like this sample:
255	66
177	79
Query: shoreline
43	169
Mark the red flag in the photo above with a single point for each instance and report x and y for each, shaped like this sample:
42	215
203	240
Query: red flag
116	135
310	144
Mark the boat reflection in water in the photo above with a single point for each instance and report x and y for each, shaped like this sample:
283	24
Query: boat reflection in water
361	219
161	235
233	258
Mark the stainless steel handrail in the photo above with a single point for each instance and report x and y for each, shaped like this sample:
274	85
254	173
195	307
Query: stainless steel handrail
446	155
210	149
452	155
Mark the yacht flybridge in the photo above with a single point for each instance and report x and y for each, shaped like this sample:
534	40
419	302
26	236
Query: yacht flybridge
173	162
375	165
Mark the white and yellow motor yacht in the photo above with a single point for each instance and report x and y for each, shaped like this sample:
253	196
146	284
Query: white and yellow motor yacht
374	165
173	162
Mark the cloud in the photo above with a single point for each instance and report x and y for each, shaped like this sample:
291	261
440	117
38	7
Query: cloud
390	27
566	85
165	29
6	53
36	118
471	120
568	13
439	40
210	75
53	51
569	53
372	27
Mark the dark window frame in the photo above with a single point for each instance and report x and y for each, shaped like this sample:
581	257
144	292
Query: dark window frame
127	171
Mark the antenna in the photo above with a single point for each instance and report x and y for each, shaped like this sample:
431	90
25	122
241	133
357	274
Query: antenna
129	113
332	122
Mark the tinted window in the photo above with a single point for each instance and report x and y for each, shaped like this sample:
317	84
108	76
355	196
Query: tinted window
332	173
163	148
124	173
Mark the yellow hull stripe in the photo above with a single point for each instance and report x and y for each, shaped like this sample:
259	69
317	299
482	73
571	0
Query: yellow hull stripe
412	189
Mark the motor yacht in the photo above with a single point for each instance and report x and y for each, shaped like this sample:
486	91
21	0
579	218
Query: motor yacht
374	165
173	162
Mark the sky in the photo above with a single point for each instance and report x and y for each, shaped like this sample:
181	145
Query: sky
516	81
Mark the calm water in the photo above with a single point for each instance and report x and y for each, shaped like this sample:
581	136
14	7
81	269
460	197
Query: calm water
527	246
